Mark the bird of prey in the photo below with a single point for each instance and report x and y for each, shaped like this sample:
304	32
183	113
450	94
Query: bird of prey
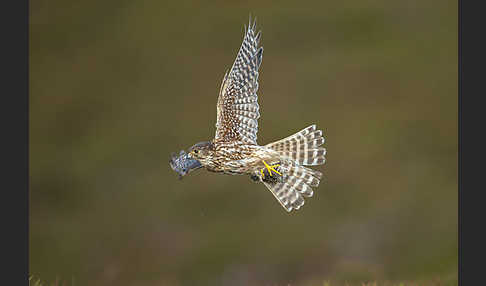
280	165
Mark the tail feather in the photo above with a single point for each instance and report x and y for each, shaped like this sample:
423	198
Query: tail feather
302	147
296	185
311	157
286	195
292	140
298	150
308	176
301	186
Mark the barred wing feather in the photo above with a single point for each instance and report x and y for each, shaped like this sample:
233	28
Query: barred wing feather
237	107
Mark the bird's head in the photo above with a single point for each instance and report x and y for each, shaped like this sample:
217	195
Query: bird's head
202	151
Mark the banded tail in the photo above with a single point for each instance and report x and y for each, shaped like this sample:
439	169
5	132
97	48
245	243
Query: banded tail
298	150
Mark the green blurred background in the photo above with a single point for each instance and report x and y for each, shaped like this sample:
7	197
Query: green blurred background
116	86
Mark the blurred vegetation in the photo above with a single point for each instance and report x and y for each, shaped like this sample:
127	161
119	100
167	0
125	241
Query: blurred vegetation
116	86
438	282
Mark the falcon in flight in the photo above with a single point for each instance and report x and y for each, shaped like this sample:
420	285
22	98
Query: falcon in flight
280	165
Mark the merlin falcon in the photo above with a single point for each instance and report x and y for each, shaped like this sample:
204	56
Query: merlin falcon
280	165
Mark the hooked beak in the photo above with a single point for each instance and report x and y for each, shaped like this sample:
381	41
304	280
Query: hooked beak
183	164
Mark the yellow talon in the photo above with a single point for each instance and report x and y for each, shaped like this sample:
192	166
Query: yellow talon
271	168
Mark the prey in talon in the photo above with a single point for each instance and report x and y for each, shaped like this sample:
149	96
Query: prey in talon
282	165
183	164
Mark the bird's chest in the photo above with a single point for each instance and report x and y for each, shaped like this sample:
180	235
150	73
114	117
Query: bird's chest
232	159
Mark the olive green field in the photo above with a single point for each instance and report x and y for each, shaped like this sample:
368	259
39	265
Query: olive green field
117	86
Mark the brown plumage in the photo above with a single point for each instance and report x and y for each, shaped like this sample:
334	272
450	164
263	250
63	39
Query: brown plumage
280	165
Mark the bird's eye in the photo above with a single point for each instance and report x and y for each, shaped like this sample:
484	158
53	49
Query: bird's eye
196	151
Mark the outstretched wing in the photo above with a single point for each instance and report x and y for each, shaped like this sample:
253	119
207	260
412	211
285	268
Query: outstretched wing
237	108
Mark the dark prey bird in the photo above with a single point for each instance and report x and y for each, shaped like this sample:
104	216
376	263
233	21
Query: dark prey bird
280	165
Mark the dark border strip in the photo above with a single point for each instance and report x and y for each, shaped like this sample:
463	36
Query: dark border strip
471	49
14	118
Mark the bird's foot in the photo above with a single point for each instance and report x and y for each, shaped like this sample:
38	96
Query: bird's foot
269	169
266	172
